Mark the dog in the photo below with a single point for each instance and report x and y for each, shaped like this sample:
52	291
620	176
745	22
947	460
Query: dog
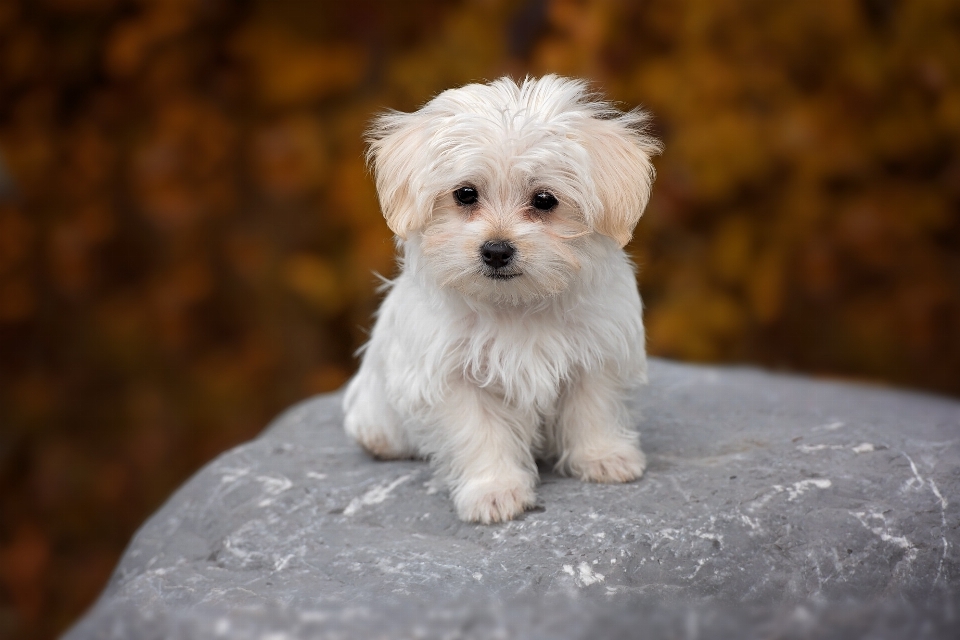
514	330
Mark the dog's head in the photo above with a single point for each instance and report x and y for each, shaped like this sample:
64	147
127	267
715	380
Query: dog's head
503	185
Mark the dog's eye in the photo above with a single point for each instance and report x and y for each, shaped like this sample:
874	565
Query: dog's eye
465	196
544	201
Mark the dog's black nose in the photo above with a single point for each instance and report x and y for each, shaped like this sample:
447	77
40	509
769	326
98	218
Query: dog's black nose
497	253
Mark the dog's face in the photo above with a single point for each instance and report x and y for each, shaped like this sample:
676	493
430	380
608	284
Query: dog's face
503	186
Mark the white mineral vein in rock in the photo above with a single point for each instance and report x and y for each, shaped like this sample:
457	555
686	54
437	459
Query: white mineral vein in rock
231	474
917	481
587	575
833	426
900	541
943	528
810	448
281	564
273	487
376	495
697	569
799	488
709	535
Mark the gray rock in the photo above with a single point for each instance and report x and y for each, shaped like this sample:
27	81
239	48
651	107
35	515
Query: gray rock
773	506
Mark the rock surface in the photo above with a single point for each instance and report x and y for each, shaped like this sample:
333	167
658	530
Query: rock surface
772	506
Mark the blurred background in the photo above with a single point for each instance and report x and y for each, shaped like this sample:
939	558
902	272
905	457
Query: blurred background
187	229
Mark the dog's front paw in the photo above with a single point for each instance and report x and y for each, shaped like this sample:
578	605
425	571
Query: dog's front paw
493	501
380	436
381	447
623	465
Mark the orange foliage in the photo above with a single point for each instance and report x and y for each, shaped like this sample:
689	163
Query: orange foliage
187	228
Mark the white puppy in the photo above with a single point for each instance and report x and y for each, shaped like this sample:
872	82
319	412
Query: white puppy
514	329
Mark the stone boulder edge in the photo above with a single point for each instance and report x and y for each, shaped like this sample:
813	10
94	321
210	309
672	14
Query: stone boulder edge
773	506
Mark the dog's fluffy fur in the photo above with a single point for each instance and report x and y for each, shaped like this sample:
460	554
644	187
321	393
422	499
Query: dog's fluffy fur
484	365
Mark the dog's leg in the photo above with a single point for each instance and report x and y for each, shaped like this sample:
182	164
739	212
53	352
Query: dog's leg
592	433
371	421
483	449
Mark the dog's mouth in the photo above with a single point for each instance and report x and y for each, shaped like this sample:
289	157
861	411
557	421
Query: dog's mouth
499	275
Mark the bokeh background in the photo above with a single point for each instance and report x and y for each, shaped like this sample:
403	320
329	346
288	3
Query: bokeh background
188	231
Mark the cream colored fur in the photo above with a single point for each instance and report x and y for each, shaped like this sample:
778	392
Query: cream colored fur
483	370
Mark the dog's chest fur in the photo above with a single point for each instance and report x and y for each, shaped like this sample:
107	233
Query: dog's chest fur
524	357
428	340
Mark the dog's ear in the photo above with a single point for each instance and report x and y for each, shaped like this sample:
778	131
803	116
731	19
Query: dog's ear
620	152
395	140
